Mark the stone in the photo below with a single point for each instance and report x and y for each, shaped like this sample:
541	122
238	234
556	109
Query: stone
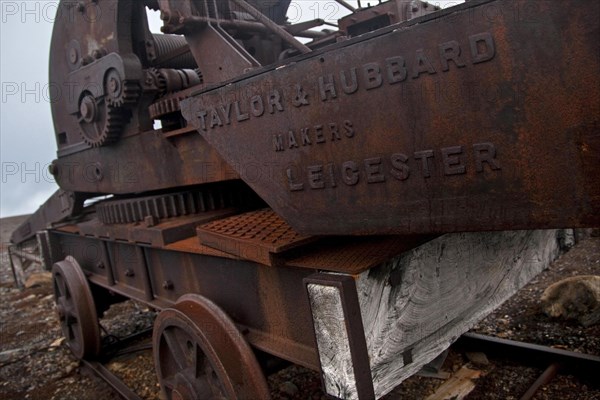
478	358
288	388
576	298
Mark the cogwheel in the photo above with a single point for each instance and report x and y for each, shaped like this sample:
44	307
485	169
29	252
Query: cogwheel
127	95
105	128
199	73
159	80
120	92
164	107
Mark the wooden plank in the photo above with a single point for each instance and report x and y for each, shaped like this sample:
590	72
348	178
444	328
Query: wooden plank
458	386
414	306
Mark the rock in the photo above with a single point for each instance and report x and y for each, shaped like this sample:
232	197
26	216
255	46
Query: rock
478	358
38	279
70	368
57	342
10	355
576	297
288	388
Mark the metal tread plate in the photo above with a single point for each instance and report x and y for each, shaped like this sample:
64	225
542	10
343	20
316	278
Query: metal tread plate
255	235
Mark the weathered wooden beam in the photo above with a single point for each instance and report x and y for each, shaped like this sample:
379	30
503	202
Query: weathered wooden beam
413	307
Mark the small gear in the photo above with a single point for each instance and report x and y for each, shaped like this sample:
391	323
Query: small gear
159	81
100	122
120	93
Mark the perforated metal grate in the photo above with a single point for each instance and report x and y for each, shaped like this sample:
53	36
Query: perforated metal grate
262	228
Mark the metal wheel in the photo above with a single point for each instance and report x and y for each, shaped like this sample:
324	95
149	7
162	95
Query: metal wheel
76	309
200	354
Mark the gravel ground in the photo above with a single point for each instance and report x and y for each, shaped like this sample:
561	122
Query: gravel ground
35	364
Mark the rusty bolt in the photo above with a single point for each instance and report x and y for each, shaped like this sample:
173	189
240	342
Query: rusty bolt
73	57
100	265
129	273
87	108
167	285
113	84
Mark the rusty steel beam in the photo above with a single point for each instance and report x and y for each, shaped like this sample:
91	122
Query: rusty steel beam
480	117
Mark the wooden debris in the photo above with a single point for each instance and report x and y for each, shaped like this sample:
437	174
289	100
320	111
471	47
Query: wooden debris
458	386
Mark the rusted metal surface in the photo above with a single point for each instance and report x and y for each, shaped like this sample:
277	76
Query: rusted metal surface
200	354
257	235
547	376
267	303
482	117
76	309
60	206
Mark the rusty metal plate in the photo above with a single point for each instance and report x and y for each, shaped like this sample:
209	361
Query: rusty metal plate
481	117
255	235
352	255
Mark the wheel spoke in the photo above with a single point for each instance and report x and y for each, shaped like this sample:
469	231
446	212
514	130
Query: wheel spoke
60	285
76	309
187	357
175	349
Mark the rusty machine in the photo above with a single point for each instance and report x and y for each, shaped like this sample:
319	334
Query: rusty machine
351	202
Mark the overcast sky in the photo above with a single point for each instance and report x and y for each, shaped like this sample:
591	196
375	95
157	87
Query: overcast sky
27	144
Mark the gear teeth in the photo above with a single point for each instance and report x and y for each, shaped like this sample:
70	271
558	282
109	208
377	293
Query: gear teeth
129	95
115	121
164	107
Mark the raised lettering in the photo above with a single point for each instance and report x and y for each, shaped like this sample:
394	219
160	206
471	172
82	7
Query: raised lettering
327	89
239	115
305	138
275	102
226	110
214	118
293	184
350	173
422	64
353	86
301	97
372	74
278	142
452	162
202	115
396	69
292	140
400	170
348	129
485	153
450	51
373	170
256	106
315	177
424	156
335	132
319	134
482	47
330	173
